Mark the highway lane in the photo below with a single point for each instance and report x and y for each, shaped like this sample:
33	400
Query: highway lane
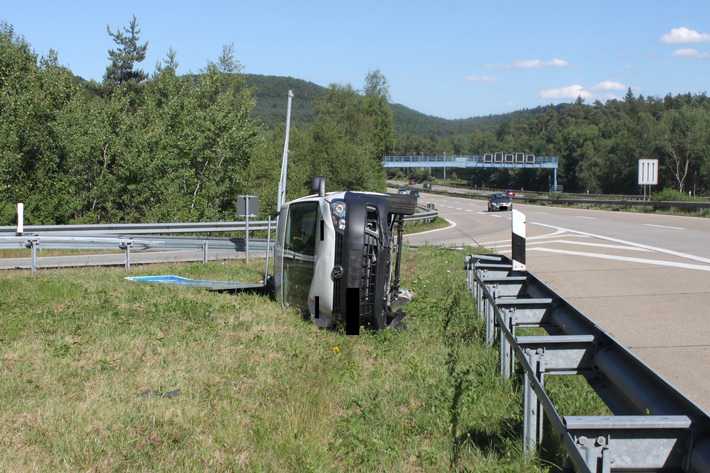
644	278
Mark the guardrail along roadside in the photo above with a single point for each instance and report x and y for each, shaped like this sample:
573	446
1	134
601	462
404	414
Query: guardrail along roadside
148	237
653	426
579	199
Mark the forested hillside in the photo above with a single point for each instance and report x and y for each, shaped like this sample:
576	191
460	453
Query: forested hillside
270	108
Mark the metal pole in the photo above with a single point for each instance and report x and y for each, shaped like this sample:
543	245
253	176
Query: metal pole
205	247
554	179
268	245
246	240
281	197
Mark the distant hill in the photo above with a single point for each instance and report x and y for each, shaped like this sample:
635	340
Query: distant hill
270	94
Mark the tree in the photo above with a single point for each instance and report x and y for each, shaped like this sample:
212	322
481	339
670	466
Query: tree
377	107
128	53
683	139
227	61
376	85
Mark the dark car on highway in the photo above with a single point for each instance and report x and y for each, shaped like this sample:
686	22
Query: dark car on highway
499	201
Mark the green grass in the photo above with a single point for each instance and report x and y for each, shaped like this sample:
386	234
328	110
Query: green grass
416	227
86	355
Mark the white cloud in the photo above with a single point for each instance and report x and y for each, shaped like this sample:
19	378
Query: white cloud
569	92
685	35
691	53
608	85
538	63
557	63
475	78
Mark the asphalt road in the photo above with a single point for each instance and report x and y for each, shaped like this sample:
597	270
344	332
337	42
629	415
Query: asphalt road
644	278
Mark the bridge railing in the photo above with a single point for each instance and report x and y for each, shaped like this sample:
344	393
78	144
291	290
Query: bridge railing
505	159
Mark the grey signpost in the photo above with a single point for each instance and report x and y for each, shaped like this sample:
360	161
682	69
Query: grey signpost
247	206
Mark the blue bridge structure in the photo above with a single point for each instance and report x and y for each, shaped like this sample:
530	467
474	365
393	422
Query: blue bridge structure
486	161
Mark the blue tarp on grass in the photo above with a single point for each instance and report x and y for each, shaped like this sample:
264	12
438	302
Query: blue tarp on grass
203	283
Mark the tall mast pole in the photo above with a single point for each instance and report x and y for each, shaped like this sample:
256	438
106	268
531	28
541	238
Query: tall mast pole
281	198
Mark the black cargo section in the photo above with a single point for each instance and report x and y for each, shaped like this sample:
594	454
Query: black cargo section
366	246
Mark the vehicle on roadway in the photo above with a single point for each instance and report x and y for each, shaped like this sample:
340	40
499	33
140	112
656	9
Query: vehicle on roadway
499	201
337	257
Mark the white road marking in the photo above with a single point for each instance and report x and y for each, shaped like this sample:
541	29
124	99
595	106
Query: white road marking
663	226
599	245
538	237
585	217
672	264
631	243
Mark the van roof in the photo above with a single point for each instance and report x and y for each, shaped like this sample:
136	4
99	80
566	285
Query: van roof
332	196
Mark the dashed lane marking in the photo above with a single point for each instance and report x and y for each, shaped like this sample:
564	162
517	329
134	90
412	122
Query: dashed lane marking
667	227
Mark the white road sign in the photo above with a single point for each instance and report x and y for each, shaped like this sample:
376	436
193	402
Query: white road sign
648	172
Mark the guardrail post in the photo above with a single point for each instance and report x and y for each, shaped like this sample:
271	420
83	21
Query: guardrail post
246	240
126	245
33	246
532	420
268	245
205	249
505	346
490	319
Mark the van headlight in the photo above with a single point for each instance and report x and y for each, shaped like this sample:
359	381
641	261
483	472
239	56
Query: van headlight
339	212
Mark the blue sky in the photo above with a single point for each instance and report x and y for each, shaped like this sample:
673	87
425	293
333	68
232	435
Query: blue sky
451	59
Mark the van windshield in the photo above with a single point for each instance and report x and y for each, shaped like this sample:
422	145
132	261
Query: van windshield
301	230
299	252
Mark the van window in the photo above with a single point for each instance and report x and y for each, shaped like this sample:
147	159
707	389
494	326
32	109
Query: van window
301	229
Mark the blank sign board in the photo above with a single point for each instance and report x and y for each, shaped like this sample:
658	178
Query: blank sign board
648	172
247	205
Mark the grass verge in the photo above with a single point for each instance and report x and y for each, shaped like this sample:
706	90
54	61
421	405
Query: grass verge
100	375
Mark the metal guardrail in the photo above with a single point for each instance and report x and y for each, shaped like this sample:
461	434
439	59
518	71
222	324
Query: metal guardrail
425	215
143	228
129	244
653	426
653	204
126	237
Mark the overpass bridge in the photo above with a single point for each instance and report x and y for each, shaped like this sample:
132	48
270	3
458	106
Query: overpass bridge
491	160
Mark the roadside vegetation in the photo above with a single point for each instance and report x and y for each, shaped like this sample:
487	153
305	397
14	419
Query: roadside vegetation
101	374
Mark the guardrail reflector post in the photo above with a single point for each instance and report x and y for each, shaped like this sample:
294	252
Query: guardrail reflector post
205	248
20	218
518	241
